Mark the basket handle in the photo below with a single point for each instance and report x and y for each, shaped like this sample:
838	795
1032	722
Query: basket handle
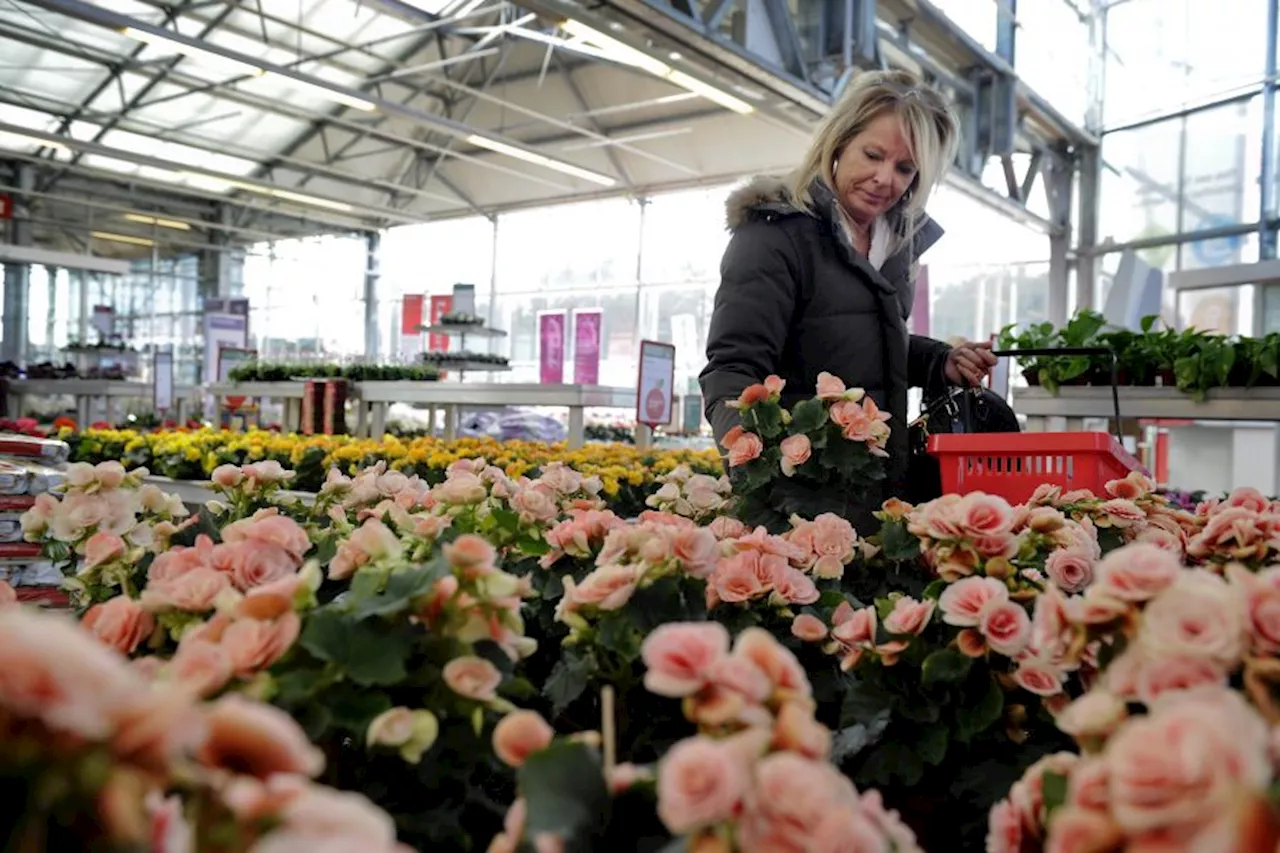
1068	351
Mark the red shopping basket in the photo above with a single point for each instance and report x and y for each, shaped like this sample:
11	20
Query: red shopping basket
1014	464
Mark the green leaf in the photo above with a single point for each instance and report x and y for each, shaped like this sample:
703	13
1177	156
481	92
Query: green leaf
808	416
568	679
354	708
945	666
831	598
370	651
297	687
897	542
402	588
615	633
851	740
892	761
767	418
864	703
934	590
932	744
1054	786
564	790
367	582
973	720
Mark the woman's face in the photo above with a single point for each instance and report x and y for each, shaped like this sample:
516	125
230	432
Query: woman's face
874	169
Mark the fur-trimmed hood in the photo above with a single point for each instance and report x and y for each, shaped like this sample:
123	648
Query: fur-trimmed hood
767	196
762	195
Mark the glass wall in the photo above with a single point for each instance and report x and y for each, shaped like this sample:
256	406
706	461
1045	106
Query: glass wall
306	297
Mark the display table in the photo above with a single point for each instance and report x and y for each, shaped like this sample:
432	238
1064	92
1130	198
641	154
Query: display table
194	493
1075	403
1229	440
372	400
87	393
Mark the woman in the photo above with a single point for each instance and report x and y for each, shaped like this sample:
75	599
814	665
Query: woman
820	271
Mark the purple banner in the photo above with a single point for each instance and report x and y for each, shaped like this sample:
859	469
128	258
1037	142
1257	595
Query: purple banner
586	346
551	333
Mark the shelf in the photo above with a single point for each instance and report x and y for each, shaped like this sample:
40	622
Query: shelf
196	492
1225	404
465	331
469	367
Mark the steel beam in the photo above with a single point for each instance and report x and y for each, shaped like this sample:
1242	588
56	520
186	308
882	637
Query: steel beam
1267	181
17	276
1058	178
372	276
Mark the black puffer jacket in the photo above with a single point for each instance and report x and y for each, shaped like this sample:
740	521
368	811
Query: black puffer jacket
796	299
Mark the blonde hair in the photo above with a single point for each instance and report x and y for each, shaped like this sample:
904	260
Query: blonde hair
929	122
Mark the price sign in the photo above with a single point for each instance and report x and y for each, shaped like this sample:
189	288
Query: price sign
655	384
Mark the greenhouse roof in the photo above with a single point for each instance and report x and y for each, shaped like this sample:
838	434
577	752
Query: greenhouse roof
203	123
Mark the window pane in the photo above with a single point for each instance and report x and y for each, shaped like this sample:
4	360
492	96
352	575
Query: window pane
1162	54
1139	195
1220	182
568	247
1052	55
684	236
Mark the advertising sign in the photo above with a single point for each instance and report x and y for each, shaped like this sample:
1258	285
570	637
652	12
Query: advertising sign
440	305
588	325
551	346
411	314
654	385
162	380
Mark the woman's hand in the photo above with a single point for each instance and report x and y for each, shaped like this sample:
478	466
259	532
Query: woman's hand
969	363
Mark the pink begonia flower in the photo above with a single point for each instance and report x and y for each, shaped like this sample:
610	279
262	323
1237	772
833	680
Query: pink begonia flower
677	656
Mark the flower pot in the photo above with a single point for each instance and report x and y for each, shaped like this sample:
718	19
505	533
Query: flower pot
1165	378
1032	375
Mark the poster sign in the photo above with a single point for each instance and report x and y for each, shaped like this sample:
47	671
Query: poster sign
228	359
588	325
162	380
551	341
654	388
920	306
411	314
440	305
464	299
226	324
104	320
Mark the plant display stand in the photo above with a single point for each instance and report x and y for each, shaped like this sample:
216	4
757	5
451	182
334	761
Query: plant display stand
1234	430
463	331
373	401
89	393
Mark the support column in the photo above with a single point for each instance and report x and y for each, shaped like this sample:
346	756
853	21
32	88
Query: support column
1089	162
1057	174
51	315
372	272
17	277
1267	184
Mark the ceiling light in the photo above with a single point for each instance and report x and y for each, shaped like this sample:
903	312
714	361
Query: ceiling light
122	238
232	66
287	195
534	157
226	185
158	222
627	55
14	139
354	101
238	67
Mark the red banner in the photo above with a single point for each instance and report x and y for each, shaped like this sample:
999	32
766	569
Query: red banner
6	207
440	305
411	314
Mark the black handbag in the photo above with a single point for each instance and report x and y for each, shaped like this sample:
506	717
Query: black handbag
949	410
